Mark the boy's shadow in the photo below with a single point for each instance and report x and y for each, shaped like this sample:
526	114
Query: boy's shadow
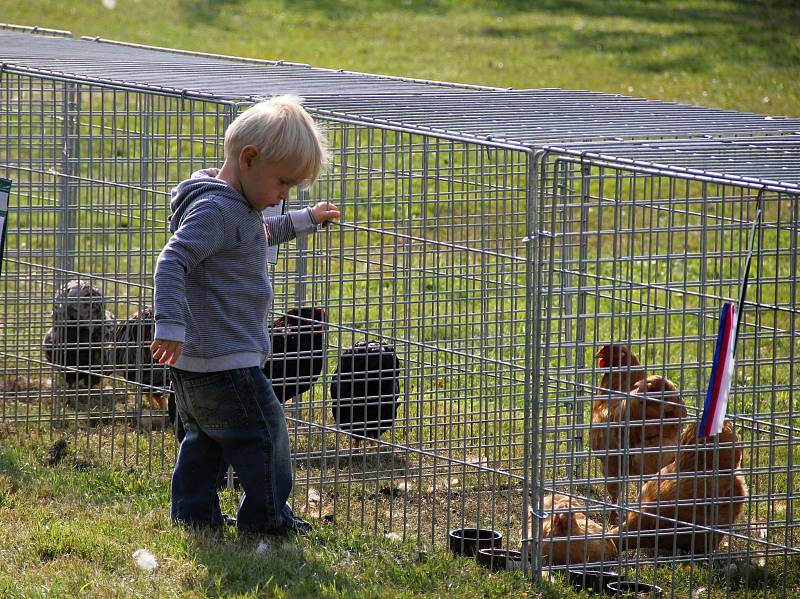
281	567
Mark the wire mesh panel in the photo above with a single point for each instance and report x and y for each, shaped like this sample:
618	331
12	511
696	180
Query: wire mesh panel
399	333
483	330
427	264
92	168
634	262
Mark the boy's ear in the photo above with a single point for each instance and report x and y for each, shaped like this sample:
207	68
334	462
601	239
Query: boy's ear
247	156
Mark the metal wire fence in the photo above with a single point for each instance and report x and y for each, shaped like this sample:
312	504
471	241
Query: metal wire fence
93	164
438	345
634	262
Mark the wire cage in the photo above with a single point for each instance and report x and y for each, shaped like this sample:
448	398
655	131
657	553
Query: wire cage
406	288
434	349
640	245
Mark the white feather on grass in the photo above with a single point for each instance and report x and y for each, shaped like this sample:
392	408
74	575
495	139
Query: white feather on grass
145	560
263	547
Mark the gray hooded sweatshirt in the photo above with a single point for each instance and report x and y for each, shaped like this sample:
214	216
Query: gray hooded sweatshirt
212	287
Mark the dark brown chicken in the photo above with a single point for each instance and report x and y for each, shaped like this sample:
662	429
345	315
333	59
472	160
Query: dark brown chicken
298	343
638	429
132	356
569	536
81	333
702	487
365	389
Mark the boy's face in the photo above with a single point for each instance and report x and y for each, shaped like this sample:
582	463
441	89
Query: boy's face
264	183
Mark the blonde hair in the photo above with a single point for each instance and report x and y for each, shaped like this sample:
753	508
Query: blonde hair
282	131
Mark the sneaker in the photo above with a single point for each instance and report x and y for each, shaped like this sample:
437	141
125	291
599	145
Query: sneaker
298	526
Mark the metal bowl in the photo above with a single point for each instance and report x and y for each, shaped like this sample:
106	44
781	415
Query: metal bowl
467	541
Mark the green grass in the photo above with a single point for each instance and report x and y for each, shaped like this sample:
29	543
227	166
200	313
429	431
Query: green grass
723	53
460	291
70	530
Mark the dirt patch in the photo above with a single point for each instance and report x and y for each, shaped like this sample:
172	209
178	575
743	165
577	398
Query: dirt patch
61	452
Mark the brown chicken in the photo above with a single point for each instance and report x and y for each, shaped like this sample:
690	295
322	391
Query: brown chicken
638	427
621	366
697	488
571	537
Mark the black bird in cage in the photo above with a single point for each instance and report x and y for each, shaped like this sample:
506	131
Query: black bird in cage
298	342
132	356
366	389
81	333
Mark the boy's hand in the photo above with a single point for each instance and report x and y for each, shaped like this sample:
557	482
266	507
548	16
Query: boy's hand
325	211
166	351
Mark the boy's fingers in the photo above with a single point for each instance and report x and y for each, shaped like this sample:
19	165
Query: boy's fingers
166	352
174	354
331	211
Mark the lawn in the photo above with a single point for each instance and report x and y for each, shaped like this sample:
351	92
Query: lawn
69	527
721	53
737	55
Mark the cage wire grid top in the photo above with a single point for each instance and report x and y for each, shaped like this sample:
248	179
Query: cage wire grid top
191	73
772	163
522	118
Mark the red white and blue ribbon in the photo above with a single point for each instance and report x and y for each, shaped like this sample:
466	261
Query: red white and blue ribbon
724	364
722	370
5	190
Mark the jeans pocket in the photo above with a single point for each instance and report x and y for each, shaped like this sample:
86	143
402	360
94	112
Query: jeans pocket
214	399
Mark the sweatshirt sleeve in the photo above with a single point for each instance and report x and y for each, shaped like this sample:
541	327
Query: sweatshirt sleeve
200	234
287	226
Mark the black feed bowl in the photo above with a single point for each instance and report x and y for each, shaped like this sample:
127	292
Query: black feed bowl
467	541
592	580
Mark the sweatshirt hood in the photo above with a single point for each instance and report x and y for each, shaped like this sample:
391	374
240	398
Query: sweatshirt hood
202	182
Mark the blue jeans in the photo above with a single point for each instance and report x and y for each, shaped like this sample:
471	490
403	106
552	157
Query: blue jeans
234	417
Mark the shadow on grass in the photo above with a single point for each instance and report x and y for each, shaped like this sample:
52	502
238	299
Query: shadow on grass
9	466
205	11
270	566
746	32
741	31
358	461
